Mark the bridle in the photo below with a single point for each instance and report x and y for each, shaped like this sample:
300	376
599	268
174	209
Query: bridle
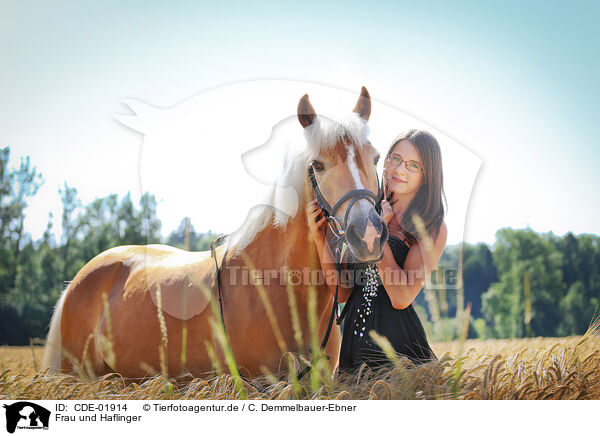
339	243
339	229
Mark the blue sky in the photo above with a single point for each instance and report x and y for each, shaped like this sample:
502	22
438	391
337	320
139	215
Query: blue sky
515	82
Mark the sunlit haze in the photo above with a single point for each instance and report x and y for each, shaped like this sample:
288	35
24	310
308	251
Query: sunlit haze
511	97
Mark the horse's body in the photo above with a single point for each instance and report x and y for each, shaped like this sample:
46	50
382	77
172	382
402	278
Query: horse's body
129	277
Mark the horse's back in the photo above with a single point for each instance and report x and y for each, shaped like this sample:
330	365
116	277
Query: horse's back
130	277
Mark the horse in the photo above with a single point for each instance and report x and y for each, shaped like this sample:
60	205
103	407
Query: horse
128	302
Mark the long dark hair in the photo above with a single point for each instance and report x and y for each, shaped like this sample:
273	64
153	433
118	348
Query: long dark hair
430	199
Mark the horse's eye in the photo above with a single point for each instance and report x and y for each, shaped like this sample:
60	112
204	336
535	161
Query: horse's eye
318	166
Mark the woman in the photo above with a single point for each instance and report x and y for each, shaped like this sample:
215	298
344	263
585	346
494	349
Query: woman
413	186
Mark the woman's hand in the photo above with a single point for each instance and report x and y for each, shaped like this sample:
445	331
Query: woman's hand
387	213
316	221
317	224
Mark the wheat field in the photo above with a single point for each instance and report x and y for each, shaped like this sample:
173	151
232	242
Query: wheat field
537	368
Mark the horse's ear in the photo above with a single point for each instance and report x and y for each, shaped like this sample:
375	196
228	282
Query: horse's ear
306	113
363	105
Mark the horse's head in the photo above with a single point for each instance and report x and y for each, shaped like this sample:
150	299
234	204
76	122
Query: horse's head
342	170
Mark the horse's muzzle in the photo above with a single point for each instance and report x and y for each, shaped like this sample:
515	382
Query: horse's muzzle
367	237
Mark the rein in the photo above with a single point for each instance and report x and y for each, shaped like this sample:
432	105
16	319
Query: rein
340	244
340	249
213	254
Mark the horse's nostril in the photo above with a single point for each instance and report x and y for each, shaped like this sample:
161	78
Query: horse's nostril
376	220
352	235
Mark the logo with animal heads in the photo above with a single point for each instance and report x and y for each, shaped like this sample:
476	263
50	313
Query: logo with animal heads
26	415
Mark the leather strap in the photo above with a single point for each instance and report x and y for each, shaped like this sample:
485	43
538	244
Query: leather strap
213	253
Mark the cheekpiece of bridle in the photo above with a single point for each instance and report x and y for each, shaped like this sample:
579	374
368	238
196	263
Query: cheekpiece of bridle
339	229
340	243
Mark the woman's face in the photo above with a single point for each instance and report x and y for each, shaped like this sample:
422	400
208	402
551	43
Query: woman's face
400	179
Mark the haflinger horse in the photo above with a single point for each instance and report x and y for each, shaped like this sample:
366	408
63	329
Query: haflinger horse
113	317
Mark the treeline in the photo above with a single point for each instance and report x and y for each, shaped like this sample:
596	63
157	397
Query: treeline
526	284
34	273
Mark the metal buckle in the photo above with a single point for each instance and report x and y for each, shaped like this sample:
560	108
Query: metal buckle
339	231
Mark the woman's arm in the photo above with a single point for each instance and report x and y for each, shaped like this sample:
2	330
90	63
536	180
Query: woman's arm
318	226
330	271
418	265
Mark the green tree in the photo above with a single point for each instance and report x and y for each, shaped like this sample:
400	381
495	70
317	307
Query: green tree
16	186
581	273
576	311
33	273
197	241
517	252
130	223
151	225
70	203
50	261
479	272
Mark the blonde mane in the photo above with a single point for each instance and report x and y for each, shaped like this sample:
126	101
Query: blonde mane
324	133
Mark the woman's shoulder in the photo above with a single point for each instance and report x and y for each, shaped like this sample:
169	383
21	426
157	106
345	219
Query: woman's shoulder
442	235
403	237
436	244
410	240
397	232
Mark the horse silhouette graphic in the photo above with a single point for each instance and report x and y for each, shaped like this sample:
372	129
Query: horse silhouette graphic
233	141
28	415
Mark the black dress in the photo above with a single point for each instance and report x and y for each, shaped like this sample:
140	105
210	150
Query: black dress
369	309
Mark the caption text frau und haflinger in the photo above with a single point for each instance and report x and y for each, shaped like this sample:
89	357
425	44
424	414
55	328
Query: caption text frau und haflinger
98	417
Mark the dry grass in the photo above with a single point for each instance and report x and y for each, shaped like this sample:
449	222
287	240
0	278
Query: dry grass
540	368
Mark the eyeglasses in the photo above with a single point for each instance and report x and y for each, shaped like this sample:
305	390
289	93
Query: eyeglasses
413	166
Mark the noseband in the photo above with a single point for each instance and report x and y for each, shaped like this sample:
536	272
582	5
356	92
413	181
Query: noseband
340	243
339	230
